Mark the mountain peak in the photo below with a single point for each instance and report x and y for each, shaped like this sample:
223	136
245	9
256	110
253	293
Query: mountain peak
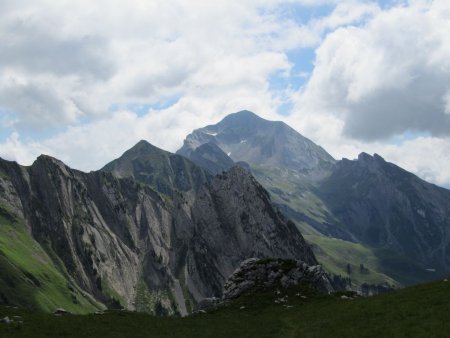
366	157
144	145
243	114
372	162
246	118
244	136
49	159
212	158
162	170
46	163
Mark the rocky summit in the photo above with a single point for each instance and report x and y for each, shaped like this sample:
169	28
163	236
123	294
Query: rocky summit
244	136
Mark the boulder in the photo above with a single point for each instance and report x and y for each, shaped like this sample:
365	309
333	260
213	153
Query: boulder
275	272
61	312
6	320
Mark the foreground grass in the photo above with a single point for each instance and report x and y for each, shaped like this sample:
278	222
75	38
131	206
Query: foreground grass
421	311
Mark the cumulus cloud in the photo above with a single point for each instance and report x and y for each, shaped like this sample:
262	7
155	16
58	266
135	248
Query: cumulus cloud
31	48
388	76
427	157
37	104
68	61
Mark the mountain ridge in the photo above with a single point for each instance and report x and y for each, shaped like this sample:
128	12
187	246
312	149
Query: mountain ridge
125	244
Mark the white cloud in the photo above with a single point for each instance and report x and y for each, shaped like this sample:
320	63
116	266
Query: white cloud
427	157
388	76
24	153
68	60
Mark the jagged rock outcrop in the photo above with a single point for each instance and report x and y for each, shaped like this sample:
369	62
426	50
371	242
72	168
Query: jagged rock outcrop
126	244
255	274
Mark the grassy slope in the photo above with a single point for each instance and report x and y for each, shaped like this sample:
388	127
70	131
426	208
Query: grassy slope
286	187
383	266
335	254
420	311
28	276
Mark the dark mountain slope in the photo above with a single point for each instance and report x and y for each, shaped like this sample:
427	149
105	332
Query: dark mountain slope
385	206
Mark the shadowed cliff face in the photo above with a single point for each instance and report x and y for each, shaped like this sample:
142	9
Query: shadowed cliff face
121	241
386	206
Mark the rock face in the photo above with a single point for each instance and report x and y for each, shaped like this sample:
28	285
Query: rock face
268	273
126	244
382	205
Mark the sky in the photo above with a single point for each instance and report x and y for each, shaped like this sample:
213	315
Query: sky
84	81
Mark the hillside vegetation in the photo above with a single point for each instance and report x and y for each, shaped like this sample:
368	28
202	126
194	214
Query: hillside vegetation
28	276
420	311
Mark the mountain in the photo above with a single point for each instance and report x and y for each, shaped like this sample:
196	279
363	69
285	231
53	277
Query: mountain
366	219
244	136
89	240
382	205
288	164
164	171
